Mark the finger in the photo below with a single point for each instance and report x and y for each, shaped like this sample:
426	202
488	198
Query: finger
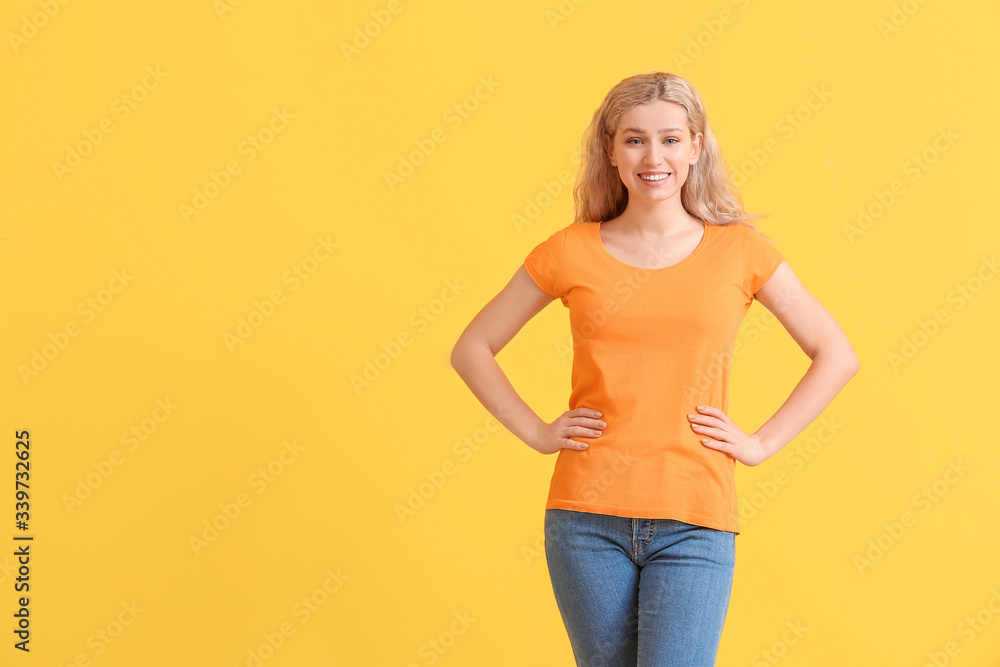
585	412
711	431
589	422
713	411
573	444
585	431
705	420
719	445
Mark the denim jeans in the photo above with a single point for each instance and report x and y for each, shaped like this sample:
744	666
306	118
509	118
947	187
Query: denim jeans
639	592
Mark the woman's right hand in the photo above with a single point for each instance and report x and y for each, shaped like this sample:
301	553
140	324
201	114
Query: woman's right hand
577	423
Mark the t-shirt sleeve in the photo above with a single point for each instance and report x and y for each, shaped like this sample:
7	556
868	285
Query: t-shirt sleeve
760	260
545	264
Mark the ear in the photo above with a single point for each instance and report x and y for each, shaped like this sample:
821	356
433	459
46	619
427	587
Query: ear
609	150
696	146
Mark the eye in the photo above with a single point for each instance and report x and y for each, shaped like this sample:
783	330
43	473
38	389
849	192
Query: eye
673	139
628	141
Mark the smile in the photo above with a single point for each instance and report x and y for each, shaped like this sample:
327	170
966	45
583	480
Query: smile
654	177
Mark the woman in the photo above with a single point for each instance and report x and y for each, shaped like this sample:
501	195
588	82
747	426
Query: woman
658	269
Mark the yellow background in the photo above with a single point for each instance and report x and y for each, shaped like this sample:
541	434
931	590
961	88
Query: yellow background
413	264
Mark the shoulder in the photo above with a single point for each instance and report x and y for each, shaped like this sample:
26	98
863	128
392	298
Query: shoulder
725	237
734	229
748	236
574	229
570	234
755	238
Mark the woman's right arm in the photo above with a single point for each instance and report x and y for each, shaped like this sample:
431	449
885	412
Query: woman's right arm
474	359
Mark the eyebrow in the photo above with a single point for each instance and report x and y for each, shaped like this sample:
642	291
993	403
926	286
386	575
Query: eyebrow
638	131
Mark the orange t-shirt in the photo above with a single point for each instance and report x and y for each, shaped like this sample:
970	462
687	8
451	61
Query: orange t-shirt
649	345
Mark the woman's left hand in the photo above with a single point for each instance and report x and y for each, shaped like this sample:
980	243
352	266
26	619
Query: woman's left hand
718	431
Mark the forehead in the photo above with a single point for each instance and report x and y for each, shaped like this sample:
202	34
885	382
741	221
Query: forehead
654	116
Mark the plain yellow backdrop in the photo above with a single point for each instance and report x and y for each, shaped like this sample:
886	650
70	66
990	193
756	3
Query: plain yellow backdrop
240	239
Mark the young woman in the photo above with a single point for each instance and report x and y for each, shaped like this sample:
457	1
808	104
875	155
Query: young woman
658	269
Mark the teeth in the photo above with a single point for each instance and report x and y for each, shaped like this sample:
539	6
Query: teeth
655	177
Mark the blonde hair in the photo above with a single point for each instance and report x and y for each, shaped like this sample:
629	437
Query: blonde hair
707	193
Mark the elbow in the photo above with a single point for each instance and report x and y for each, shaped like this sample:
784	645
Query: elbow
851	363
468	348
853	367
461	353
843	358
457	354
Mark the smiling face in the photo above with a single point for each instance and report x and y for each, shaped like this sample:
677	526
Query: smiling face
653	150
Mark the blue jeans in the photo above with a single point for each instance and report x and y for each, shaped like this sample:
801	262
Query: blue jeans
639	592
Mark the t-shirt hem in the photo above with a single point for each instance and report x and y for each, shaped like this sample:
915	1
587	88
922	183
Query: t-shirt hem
538	282
769	271
766	276
631	512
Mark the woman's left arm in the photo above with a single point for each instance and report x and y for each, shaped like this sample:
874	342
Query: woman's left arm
834	363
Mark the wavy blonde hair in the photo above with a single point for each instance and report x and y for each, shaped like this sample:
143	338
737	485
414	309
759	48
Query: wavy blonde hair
708	193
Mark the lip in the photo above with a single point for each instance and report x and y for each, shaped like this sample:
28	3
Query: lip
654	184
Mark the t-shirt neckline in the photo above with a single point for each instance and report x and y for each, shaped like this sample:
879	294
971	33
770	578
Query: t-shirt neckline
694	253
